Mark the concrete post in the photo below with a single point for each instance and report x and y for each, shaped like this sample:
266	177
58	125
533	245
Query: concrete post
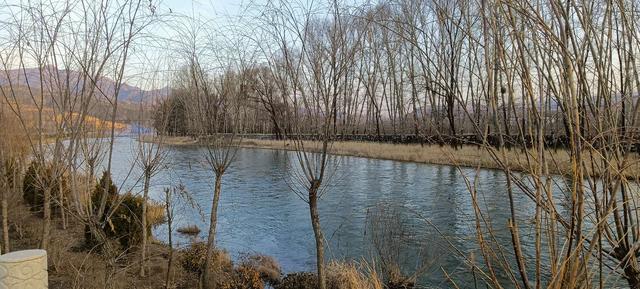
24	269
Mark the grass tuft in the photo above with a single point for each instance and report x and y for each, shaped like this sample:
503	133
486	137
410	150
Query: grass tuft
189	230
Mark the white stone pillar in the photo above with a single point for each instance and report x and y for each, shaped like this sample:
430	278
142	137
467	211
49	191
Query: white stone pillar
24	269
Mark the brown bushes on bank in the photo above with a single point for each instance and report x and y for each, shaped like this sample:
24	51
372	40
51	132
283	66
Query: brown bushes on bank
239	278
397	280
352	275
252	272
266	266
193	257
340	275
298	280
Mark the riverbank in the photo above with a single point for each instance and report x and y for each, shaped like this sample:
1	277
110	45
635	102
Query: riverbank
72	265
465	156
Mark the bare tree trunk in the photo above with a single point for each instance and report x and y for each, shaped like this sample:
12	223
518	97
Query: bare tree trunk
5	223
211	240
317	231
46	223
61	200
168	207
145	197
170	258
5	209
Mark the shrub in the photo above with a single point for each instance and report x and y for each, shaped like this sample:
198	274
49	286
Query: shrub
111	191
193	257
266	266
125	224
396	280
298	280
339	276
240	278
38	178
126	221
104	186
31	187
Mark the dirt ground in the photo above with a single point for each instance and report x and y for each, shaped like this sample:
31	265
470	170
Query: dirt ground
71	265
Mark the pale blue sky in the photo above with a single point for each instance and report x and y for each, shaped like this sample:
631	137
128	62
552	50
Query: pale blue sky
211	9
150	55
221	31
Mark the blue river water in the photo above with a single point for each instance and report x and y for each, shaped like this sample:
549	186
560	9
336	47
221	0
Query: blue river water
421	214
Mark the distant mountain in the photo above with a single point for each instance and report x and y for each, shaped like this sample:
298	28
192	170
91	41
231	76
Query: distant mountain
127	93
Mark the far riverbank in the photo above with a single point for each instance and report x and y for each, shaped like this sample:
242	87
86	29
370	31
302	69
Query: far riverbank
466	155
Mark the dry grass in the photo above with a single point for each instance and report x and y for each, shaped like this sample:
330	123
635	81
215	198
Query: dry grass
71	265
466	156
267	267
194	256
155	213
173	140
352	276
189	230
340	275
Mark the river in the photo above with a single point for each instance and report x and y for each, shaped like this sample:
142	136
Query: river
429	206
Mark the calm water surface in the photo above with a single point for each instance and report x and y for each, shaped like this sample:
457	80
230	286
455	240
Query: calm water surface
258	212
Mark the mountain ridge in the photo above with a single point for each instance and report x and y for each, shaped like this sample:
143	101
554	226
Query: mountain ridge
31	77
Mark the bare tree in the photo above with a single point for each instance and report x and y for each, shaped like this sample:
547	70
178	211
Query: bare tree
218	123
13	150
151	159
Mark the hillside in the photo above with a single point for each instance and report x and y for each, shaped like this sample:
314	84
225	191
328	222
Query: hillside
52	78
22	86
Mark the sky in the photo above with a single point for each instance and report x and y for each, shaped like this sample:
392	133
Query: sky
149	55
161	50
205	8
216	13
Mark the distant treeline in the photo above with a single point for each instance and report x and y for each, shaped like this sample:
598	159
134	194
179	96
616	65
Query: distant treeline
179	113
430	71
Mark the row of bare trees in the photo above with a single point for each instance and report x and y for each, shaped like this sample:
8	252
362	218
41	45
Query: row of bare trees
408	68
499	70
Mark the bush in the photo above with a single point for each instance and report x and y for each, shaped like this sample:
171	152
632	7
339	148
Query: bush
193	257
125	224
351	276
240	278
339	276
31	187
36	180
266	266
298	280
396	280
111	191
96	197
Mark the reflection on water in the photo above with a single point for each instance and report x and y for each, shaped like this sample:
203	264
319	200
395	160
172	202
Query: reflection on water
259	213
